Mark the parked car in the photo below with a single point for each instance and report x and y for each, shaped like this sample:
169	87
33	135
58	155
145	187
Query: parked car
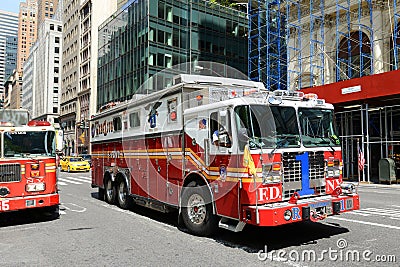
70	163
87	157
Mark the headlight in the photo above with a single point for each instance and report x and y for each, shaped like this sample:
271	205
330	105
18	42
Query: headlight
272	173
348	188
287	215
336	173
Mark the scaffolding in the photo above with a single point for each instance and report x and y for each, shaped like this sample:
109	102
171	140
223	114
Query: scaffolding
288	46
396	36
267	44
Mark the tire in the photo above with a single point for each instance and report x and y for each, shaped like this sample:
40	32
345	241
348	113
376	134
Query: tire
123	197
100	194
197	212
53	212
110	192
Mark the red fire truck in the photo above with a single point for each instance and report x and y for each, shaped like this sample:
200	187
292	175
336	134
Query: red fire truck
27	164
224	152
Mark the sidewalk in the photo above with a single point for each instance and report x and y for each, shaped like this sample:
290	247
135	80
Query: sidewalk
376	185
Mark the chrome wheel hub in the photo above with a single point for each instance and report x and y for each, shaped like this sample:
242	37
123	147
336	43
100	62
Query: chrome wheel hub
196	209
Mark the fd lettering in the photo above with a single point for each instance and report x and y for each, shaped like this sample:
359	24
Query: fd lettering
4	206
269	193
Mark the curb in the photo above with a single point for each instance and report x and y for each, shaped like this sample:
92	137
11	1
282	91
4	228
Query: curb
365	184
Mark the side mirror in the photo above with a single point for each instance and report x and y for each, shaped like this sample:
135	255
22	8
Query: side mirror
243	135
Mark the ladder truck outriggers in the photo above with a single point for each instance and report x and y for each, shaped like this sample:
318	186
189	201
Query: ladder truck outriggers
224	152
28	173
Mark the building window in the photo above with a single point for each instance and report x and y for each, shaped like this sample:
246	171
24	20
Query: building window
56	50
117	124
354	57
134	120
57	40
51	26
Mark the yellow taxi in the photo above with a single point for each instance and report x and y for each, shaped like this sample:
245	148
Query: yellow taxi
70	164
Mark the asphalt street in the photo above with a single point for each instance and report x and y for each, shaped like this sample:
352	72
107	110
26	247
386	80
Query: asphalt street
90	232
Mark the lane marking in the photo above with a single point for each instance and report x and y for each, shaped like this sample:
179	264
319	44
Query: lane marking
359	212
391	212
86	178
61	183
367	223
68	181
80	208
79	180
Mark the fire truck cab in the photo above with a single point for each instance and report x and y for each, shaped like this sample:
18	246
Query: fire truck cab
225	152
27	163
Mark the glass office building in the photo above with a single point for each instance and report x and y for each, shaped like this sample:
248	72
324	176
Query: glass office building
148	36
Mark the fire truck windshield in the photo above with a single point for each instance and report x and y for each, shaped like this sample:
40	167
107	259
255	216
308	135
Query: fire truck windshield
267	126
317	127
26	143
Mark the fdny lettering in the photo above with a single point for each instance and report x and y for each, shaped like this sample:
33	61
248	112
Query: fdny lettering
331	184
305	176
269	193
103	128
296	214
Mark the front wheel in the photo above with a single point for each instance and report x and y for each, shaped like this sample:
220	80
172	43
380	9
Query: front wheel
197	213
124	199
110	192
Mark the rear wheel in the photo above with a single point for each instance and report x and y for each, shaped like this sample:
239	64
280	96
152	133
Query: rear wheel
110	192
53	212
197	213
124	199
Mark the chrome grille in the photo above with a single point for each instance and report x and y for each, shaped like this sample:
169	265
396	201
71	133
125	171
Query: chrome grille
10	173
316	171
292	173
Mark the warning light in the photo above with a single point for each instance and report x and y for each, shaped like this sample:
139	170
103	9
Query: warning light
173	116
199	97
39	123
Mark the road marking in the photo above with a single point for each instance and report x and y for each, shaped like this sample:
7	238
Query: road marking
388	212
79	180
367	223
61	183
68	181
85	178
80	208
360	212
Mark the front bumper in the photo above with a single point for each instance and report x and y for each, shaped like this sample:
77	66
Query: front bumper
79	168
313	209
28	202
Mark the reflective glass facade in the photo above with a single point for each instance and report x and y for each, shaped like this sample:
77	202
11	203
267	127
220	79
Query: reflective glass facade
149	36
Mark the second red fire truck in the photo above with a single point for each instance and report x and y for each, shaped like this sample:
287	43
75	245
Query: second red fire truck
224	152
27	163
